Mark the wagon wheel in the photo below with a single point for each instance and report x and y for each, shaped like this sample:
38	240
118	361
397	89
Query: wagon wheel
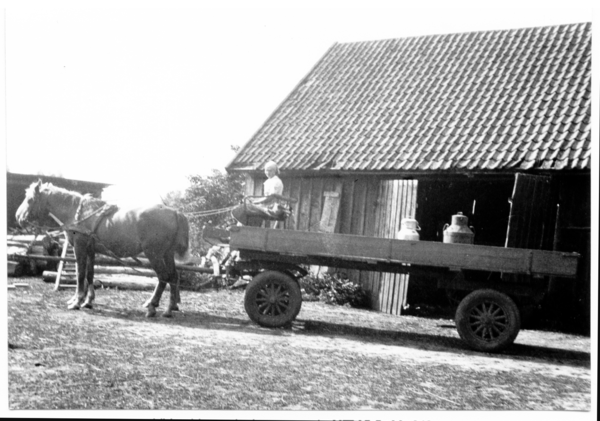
272	299
488	320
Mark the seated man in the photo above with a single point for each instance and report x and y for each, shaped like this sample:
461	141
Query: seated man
272	190
272	206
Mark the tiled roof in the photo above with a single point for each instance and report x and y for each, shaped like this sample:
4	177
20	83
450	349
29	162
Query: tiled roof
486	101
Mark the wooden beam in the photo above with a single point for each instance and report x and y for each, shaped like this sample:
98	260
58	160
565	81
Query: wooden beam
424	253
105	261
137	284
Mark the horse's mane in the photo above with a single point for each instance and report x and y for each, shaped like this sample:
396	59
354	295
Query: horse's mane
51	188
67	196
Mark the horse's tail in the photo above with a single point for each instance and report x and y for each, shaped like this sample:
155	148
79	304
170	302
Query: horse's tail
182	239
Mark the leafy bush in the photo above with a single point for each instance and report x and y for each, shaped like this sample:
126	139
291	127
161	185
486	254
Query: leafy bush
334	289
216	191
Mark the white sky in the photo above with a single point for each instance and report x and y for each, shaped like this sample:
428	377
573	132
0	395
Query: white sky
142	96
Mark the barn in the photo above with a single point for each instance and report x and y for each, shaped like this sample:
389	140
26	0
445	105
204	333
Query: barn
493	124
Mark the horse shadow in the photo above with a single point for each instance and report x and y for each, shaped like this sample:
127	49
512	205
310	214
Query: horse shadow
202	320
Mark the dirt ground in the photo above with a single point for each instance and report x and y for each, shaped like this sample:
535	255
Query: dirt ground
555	367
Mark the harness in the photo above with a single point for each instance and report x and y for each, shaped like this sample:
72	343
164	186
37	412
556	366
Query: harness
75	226
103	212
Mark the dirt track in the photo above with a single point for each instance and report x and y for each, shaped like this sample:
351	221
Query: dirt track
328	348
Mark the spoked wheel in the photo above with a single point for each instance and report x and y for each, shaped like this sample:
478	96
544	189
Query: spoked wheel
272	299
488	320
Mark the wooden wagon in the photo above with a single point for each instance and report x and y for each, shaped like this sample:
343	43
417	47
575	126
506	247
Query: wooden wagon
498	281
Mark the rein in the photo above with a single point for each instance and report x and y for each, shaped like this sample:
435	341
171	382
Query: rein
230	208
211	212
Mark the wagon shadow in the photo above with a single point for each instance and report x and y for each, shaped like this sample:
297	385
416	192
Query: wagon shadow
422	341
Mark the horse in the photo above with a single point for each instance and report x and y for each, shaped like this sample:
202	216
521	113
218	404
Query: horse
93	226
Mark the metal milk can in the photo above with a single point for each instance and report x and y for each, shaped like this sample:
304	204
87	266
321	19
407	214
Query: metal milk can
408	230
459	231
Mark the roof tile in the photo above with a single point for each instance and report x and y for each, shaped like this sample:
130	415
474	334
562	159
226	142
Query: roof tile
486	100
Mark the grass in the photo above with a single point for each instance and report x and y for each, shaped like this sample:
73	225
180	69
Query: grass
210	356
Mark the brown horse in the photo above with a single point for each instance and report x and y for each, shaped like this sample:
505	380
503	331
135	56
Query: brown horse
94	227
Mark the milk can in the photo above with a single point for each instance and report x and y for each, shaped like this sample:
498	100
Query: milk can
459	231
408	230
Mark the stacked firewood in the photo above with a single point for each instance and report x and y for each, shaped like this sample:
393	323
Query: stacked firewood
23	245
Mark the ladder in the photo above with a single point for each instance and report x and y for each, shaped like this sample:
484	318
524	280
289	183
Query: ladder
66	270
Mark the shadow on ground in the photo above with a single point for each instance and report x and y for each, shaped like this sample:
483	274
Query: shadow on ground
416	340
436	342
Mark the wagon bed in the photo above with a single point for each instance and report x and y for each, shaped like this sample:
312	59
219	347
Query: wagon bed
394	255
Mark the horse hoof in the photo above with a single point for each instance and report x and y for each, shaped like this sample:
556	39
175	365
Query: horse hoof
88	305
151	311
165	314
73	306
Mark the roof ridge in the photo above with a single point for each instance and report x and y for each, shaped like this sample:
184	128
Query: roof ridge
482	31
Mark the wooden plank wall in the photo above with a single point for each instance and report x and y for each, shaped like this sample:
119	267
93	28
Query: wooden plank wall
530	218
368	206
530	223
398	200
306	212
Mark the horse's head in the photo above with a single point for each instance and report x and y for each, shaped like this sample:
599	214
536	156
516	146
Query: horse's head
34	209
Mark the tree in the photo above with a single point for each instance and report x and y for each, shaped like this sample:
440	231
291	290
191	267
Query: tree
215	192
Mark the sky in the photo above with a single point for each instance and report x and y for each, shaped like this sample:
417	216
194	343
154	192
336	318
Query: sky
143	94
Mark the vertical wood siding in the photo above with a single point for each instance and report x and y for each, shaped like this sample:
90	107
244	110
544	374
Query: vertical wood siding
531	216
368	206
397	199
530	222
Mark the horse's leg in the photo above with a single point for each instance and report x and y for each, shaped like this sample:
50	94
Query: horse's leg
91	293
81	257
178	299
73	298
175	290
174	283
154	300
158	264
